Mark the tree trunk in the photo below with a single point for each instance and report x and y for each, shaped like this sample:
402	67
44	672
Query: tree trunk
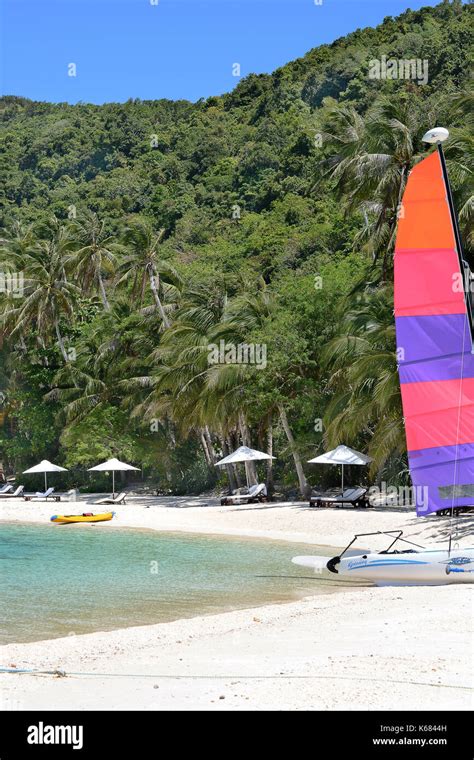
210	445
205	449
231	446
250	469
390	247
103	294
153	278
229	468
304	488
61	341
269	479
43	346
172	435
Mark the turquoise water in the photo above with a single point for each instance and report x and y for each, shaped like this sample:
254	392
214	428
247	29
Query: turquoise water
59	580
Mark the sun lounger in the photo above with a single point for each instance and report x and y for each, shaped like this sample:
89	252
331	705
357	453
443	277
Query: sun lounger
253	494
238	492
120	499
40	496
354	497
317	496
4	489
456	511
14	495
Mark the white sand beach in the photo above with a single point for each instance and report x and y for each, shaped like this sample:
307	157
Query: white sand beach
360	648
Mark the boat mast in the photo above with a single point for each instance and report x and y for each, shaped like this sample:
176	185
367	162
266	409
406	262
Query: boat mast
436	137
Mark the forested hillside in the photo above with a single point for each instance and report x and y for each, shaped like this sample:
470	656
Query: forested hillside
138	237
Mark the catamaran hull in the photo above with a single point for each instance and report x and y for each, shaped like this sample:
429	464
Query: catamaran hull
425	568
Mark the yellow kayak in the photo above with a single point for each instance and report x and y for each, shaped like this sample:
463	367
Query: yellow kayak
85	517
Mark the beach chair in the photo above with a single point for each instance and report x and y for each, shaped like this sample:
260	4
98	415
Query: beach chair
120	499
317	496
253	494
40	496
48	494
456	511
237	492
4	489
14	495
353	497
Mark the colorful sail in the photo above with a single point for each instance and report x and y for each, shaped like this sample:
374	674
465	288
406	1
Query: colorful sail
434	344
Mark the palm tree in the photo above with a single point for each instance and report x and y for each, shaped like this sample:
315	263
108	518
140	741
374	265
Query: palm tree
108	353
15	243
244	315
221	392
19	240
369	162
142	264
176	387
47	295
366	404
96	255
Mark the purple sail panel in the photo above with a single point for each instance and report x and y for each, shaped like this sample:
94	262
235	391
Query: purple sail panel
423	338
431	348
435	472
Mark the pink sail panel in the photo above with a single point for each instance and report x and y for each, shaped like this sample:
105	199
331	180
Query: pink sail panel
436	366
431	419
428	286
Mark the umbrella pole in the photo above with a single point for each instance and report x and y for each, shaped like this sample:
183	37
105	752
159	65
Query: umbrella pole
45	482
113	484
342	481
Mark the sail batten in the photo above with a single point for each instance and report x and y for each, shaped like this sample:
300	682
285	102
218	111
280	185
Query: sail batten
436	364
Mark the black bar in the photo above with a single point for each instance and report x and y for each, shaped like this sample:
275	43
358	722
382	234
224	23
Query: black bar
415	734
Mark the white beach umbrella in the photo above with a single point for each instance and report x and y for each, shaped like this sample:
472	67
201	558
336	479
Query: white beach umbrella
112	465
342	455
244	454
45	466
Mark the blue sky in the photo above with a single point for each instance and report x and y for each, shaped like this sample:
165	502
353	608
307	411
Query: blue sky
174	49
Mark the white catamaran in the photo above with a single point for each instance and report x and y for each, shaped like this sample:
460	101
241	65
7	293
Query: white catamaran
434	320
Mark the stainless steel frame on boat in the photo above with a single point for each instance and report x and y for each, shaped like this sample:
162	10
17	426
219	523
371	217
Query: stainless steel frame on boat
396	535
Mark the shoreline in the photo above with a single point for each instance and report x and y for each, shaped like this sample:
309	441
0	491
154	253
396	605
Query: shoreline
280	521
238	535
330	651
